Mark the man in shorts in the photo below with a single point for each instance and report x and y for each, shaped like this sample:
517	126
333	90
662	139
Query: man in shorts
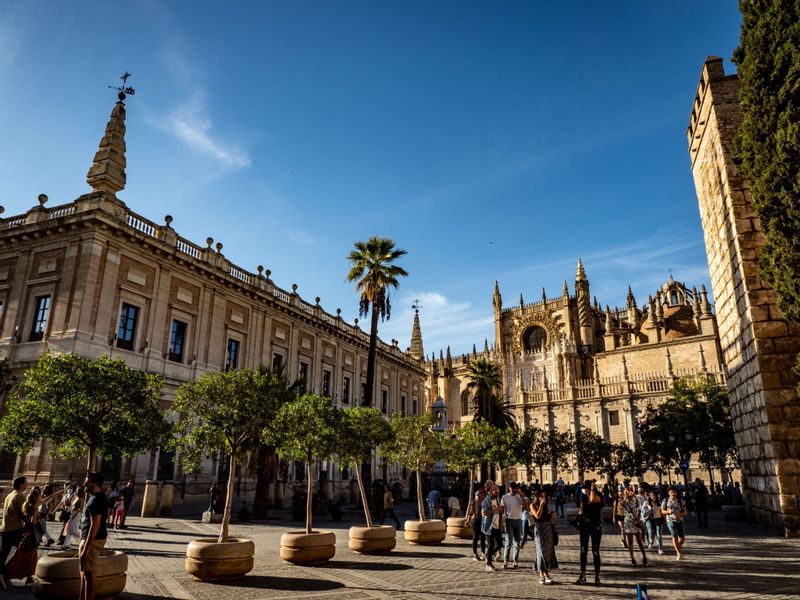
93	532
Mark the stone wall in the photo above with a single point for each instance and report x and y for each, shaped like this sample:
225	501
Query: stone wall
758	345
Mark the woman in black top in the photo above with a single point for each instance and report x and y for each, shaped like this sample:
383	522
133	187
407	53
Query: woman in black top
590	526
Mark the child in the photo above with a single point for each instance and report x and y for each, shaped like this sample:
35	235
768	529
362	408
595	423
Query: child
119	512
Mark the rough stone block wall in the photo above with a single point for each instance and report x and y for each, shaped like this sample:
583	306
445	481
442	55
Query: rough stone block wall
758	345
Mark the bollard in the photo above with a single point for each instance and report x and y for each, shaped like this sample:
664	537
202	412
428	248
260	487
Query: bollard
167	492
150	500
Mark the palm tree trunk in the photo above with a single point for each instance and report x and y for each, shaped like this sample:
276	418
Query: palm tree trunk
420	505
226	515
363	492
310	488
369	384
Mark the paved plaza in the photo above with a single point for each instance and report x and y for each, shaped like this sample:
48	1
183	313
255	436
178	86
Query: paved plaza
731	561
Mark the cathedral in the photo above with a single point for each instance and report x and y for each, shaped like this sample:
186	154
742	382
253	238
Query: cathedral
569	364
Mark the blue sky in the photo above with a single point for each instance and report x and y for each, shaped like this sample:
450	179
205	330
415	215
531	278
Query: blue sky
491	140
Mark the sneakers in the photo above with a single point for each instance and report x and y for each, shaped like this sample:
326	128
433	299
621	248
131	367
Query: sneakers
475	557
490	568
515	565
541	580
547	580
50	542
505	565
660	552
581	579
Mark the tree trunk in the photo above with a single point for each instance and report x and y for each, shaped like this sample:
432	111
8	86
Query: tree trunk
309	505
369	384
420	505
711	479
363	492
226	515
541	475
92	460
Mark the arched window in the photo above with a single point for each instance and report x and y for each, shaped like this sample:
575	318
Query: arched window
535	338
466	404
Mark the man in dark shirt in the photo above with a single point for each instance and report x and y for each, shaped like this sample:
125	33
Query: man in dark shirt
127	493
93	532
701	502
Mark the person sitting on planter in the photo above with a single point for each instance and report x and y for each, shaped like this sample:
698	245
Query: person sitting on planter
93	533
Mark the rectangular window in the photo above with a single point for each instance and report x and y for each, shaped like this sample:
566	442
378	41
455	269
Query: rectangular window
403	405
384	401
232	357
364	391
304	376
414	407
326	384
613	417
177	341
277	362
40	317
128	317
346	390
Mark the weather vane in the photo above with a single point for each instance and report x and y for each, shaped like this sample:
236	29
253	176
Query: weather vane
416	306
124	89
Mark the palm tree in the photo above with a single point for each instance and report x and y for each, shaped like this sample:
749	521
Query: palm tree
373	272
501	413
484	381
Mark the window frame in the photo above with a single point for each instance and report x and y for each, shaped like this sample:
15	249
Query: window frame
37	333
237	344
122	343
171	355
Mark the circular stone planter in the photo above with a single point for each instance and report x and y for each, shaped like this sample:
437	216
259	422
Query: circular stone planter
572	515
373	540
425	532
301	548
457	529
734	512
58	575
607	513
208	560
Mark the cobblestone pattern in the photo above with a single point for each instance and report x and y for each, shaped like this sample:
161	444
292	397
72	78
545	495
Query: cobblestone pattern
730	561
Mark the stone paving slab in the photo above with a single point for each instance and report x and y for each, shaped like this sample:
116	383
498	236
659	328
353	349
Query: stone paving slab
731	561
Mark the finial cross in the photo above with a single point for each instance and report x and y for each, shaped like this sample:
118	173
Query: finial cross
416	306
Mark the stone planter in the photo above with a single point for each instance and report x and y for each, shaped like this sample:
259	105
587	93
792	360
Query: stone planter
457	529
572	515
373	540
607	514
58	575
208	560
301	548
425	532
734	512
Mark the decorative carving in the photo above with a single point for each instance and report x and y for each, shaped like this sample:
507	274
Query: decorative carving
544	320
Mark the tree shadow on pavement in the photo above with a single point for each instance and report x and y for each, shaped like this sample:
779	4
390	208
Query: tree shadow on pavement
292	584
365	566
411	554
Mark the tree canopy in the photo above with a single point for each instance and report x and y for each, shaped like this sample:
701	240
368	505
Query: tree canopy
85	408
768	146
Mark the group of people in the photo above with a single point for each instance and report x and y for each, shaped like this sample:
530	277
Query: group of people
503	522
84	512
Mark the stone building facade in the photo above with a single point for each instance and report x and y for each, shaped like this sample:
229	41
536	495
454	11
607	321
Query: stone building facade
758	345
567	364
93	277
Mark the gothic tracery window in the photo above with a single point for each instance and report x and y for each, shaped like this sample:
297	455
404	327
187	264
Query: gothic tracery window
535	339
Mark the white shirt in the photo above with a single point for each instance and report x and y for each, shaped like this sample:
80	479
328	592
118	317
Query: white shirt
513	505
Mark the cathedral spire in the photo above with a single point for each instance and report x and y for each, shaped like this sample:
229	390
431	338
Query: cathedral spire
417	352
497	299
631	298
580	274
565	291
107	173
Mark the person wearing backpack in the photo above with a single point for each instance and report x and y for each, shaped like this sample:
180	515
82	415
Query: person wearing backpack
674	510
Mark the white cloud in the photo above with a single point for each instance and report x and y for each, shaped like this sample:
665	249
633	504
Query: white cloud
191	124
302	237
443	322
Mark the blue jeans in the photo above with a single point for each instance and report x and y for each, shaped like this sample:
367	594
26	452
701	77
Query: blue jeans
653	533
513	538
432	510
676	529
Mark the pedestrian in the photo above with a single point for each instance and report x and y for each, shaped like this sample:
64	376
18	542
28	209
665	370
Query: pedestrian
474	516
119	512
13	525
513	507
674	511
128	493
434	500
653	521
388	505
93	533
543	536
73	526
619	514
491	524
590	528
527	523
632	524
63	510
23	564
454	506
44	511
113	494
701	503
